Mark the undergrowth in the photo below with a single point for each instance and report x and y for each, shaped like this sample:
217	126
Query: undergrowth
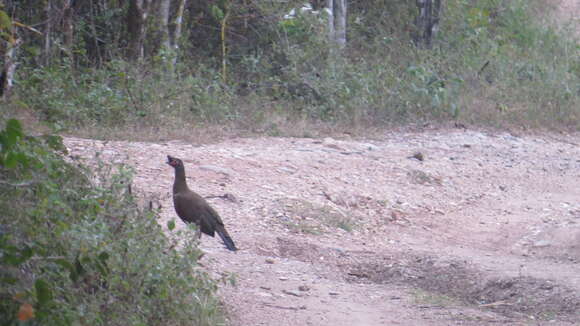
493	64
76	249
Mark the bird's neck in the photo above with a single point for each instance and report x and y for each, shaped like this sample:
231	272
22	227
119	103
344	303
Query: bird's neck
179	184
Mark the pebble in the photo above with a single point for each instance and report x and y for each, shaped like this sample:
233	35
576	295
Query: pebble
290	292
304	288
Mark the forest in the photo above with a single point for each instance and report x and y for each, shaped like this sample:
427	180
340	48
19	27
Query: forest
261	66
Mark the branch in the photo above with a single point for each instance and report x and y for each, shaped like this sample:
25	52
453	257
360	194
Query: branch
22	184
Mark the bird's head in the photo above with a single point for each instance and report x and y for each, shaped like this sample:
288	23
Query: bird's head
174	162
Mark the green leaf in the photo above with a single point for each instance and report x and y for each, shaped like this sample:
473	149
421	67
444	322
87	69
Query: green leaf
216	12
77	271
14	126
10	135
102	263
104	256
66	264
10	161
171	225
5	21
8	280
55	142
15	256
43	292
26	253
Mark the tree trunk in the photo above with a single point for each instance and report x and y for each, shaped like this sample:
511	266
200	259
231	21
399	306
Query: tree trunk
164	41
47	32
337	10
340	23
330	7
136	26
178	23
10	63
427	22
68	31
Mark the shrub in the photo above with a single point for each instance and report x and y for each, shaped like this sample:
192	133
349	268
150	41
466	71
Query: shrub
75	248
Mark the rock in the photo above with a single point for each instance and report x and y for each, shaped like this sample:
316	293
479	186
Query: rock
542	243
269	261
216	169
304	288
290	292
418	156
369	147
286	169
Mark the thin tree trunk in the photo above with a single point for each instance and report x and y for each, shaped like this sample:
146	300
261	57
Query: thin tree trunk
68	31
136	26
10	63
340	21
337	10
47	32
330	7
178	23
436	17
164	42
96	47
427	22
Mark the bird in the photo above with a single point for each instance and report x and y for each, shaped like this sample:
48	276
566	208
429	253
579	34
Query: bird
192	208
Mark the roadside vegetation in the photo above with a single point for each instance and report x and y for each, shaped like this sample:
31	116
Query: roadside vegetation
76	249
493	63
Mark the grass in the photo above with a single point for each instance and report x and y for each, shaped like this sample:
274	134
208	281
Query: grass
306	217
422	297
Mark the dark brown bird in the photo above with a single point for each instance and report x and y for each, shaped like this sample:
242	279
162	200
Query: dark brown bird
192	208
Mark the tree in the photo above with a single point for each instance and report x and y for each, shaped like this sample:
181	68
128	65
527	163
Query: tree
10	41
427	22
337	22
170	28
136	26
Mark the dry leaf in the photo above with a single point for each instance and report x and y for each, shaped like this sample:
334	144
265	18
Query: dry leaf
25	312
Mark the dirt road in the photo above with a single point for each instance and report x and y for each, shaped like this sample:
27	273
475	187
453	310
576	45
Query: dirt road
477	229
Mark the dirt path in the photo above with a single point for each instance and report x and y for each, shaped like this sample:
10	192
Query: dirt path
569	11
484	230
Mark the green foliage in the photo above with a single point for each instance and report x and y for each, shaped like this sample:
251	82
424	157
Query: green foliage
5	22
492	63
121	94
76	249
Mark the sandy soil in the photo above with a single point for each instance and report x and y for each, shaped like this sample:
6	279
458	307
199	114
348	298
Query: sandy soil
567	14
485	229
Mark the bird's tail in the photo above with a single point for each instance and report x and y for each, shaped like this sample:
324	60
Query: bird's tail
226	238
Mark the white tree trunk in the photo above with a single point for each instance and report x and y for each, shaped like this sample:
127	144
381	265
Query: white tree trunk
178	23
9	68
337	22
330	8
340	23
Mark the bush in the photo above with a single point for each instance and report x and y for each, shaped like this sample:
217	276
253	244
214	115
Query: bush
75	248
493	63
